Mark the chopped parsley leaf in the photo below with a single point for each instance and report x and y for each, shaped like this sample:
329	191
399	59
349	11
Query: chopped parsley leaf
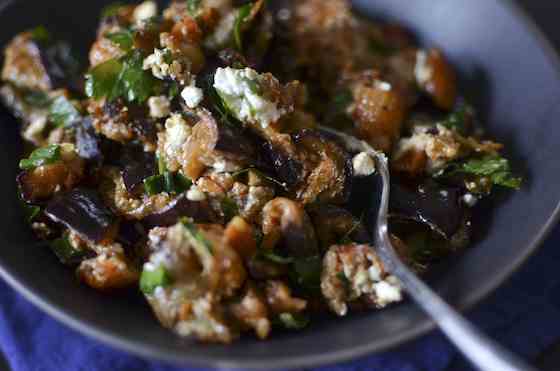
63	113
150	280
41	156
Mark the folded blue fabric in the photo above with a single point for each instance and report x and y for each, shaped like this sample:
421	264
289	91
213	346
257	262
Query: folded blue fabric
524	315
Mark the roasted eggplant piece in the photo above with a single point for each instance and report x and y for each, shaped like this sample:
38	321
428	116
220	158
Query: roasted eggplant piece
83	211
217	145
34	61
287	168
334	225
88	143
199	211
136	165
429	203
287	227
327	167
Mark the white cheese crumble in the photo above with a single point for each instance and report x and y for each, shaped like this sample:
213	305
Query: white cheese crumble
196	195
422	70
192	95
470	200
383	85
388	291
237	87
159	106
177	132
144	11
156	62
363	164
224	166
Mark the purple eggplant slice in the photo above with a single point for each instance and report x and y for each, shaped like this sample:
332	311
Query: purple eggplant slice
429	203
286	223
199	211
327	167
335	225
83	211
88	142
136	166
287	169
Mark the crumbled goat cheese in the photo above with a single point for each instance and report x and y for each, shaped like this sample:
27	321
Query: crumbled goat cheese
177	132
387	292
196	195
159	107
383	85
156	62
470	200
224	166
237	89
363	164
422	71
192	95
441	148
144	11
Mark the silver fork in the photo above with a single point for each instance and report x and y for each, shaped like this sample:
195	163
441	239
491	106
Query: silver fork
483	352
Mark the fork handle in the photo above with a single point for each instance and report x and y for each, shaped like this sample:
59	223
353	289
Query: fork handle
478	348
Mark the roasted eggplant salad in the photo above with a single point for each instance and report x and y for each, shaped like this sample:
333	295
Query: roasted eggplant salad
185	158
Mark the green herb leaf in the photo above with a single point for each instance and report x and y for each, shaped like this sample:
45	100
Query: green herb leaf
37	99
240	21
65	252
173	90
135	84
181	183
270	255
111	10
154	185
196	237
229	208
293	321
63	113
150	280
122	77
457	120
496	168
306	272
124	39
30	211
41	34
342	101
193	7
41	156
102	79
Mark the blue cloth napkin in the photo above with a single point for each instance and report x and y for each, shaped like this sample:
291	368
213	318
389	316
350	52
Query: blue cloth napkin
524	315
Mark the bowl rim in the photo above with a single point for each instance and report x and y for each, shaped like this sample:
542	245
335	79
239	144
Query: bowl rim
138	348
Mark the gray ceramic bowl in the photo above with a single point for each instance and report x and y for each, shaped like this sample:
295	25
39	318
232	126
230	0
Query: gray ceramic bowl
506	64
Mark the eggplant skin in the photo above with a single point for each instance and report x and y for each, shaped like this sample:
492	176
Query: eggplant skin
327	167
136	166
199	211
83	211
333	224
286	168
88	142
429	203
